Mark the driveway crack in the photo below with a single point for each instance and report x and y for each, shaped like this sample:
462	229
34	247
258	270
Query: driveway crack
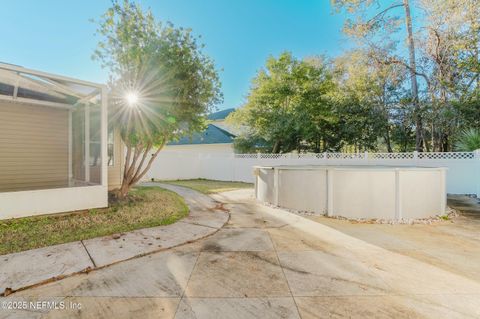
88	253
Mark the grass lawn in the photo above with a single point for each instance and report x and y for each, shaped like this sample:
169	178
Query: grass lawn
207	186
146	207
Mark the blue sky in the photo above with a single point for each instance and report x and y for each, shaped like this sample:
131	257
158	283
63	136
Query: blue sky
56	35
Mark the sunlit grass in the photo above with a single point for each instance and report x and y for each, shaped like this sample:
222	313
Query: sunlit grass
145	207
207	186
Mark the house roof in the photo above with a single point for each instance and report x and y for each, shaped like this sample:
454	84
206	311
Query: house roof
21	84
220	115
212	135
215	133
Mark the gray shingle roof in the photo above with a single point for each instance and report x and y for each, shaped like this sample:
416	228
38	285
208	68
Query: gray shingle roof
220	115
212	135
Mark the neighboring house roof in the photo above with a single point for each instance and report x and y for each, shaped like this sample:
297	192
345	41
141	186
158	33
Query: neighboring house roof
214	134
220	115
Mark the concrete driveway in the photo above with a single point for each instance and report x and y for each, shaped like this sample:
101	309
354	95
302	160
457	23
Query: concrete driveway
269	263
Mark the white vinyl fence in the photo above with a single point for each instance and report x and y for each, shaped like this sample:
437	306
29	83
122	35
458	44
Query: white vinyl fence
463	174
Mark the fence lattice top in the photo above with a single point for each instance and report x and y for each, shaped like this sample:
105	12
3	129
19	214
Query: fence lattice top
368	156
449	155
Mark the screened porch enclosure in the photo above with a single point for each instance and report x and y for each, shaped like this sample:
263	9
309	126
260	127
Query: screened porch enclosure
37	153
53	143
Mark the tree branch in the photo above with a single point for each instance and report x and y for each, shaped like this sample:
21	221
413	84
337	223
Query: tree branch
139	168
383	12
127	161
149	164
396	61
132	165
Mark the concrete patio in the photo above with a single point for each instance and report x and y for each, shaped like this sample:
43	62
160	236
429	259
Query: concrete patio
17	271
269	263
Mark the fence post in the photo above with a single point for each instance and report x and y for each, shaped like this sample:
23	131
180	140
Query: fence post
258	155
330	185
275	186
476	154
477	157
398	196
233	163
365	156
415	158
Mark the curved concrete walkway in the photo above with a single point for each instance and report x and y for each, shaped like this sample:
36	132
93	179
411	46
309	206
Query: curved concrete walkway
24	269
269	263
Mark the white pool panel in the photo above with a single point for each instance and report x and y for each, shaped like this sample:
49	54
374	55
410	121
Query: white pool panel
355	191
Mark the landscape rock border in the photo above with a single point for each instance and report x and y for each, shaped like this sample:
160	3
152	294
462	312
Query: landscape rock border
449	215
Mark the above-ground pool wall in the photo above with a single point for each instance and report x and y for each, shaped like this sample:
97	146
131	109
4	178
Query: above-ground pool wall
399	193
357	192
422	193
365	193
264	178
303	190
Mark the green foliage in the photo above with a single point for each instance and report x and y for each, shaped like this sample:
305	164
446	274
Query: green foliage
308	107
358	101
445	44
368	97
469	140
468	111
162	84
176	83
288	107
246	143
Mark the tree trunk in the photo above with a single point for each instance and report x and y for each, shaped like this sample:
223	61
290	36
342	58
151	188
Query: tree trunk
388	141
413	79
123	191
425	143
445	144
133	172
276	147
386	117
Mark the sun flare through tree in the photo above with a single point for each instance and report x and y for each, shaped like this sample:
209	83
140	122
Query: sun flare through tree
162	84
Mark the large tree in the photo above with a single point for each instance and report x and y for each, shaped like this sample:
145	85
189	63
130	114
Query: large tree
288	107
162	83
369	92
449	49
374	28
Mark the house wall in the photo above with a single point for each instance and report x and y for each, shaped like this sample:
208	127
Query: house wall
115	171
33	147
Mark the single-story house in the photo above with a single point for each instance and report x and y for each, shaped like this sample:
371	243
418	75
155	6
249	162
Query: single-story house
57	152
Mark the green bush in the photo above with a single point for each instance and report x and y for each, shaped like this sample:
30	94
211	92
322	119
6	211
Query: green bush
469	140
